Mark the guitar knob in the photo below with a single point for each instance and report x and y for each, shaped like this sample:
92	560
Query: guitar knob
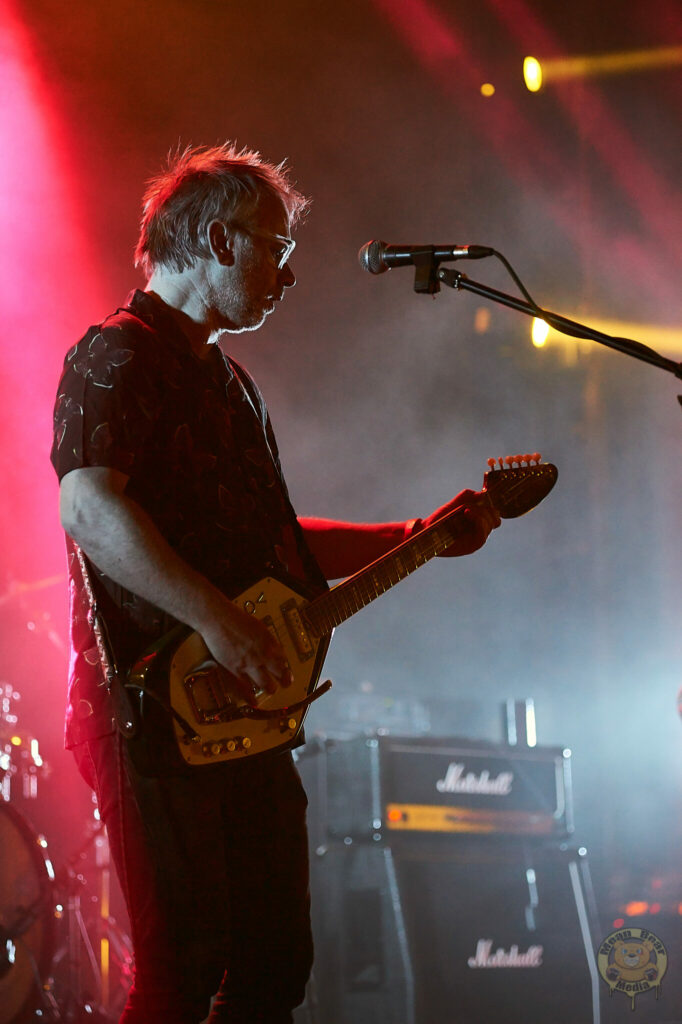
231	746
246	743
216	748
292	724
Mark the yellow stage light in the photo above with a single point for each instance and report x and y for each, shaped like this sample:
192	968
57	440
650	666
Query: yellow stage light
539	332
532	74
104	970
487	89
537	73
665	340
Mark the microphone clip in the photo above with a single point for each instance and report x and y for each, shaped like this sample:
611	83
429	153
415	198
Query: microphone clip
426	271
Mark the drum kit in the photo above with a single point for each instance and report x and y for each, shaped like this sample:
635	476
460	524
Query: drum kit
63	957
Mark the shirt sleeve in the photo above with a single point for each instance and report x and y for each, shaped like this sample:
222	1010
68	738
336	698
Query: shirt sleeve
108	401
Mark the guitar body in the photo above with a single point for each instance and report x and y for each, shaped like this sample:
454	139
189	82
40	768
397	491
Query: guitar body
181	672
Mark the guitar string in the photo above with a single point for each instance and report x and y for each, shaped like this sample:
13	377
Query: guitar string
365	591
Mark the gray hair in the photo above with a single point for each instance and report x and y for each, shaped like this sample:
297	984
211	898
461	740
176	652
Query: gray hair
201	184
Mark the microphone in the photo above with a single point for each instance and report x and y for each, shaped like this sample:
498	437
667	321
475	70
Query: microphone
376	257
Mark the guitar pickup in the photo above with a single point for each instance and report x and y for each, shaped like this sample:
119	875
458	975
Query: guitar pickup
298	633
268	621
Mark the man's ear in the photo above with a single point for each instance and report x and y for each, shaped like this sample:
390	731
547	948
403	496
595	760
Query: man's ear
221	242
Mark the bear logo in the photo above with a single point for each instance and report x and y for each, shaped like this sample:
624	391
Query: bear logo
632	961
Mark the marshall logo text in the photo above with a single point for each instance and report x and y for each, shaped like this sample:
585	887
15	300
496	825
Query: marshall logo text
456	781
483	958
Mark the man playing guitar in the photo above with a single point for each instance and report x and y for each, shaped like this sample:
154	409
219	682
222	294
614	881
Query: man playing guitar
173	501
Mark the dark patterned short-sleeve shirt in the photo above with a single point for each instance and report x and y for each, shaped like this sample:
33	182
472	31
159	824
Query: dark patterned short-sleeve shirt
194	437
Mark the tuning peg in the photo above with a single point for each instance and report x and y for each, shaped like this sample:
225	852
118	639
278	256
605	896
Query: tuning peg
492	463
501	462
509	459
536	457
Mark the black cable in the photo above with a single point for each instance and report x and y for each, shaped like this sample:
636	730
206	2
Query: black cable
515	277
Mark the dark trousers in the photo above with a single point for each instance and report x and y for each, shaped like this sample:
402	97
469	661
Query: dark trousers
214	870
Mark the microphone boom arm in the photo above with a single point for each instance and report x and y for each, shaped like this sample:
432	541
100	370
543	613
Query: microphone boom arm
455	279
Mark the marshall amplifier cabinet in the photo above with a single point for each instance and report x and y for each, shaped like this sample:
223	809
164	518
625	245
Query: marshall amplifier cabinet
500	932
411	786
443	888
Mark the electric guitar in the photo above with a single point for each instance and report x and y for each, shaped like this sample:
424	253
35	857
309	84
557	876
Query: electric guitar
197	700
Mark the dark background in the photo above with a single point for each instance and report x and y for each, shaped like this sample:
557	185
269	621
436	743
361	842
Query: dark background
386	402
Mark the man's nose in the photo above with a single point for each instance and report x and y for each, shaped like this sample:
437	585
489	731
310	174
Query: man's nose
287	276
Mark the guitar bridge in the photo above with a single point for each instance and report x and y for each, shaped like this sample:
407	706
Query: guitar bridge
208	697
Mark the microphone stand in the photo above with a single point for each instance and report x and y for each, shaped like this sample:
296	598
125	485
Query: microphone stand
429	276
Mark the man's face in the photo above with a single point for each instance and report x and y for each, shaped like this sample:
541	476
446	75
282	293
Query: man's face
243	293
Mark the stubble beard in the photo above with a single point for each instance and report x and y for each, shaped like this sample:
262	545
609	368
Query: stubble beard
235	310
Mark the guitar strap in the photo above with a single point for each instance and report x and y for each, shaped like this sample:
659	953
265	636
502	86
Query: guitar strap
124	714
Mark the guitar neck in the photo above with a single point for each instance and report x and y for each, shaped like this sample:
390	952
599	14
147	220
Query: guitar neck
511	492
350	596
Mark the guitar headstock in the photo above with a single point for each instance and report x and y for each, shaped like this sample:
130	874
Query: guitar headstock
517	483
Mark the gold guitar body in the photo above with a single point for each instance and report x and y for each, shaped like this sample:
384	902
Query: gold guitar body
204	696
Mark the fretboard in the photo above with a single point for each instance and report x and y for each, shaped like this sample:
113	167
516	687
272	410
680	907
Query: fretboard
347	598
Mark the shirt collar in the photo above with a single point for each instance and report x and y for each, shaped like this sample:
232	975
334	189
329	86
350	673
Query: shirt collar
154	312
157	315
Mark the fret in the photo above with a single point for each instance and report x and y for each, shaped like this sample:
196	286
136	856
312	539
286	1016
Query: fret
511	491
350	596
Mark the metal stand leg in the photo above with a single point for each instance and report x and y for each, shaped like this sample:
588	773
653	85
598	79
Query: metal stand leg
81	985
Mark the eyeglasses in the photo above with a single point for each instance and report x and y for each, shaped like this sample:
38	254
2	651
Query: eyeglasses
281	247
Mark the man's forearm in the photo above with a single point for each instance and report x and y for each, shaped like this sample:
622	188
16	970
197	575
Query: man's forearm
344	548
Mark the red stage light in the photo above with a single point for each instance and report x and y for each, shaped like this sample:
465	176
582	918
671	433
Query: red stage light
49	291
